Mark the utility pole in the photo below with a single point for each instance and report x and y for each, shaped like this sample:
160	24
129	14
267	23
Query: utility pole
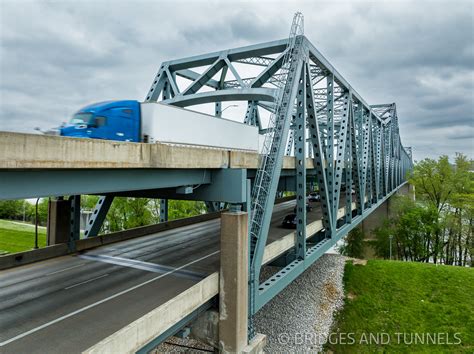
390	237
36	224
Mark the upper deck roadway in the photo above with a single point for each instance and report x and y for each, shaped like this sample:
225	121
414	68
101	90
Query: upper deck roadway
31	151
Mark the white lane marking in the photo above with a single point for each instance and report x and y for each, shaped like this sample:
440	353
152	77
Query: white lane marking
127	259
63	270
133	263
84	282
85	308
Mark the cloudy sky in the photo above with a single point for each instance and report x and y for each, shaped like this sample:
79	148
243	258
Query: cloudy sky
56	57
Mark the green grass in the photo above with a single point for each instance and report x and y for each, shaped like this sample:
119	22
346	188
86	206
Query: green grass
17	237
405	297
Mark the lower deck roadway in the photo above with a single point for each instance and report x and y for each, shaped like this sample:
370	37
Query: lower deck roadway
67	304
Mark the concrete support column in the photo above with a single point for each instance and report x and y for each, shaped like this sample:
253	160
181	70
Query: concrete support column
375	219
59	216
233	282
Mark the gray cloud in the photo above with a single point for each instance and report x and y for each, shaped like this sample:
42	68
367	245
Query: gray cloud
58	56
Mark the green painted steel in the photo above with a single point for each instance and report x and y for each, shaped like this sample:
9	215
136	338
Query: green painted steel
16	184
300	162
98	216
163	210
356	148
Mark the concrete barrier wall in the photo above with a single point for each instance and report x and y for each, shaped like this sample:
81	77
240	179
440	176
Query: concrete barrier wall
138	333
34	151
26	257
19	150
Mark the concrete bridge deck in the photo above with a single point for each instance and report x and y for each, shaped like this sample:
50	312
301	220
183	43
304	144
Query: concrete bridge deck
33	151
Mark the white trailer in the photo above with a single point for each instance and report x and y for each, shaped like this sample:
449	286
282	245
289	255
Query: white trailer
169	124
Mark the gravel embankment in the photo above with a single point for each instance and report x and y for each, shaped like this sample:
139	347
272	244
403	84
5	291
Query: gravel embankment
300	317
296	320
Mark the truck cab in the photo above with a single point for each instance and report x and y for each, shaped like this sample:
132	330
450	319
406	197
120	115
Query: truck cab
111	120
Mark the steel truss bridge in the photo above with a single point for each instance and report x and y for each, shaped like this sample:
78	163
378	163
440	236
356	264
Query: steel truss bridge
352	143
320	132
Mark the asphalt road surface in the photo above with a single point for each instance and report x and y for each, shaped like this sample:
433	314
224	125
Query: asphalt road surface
67	304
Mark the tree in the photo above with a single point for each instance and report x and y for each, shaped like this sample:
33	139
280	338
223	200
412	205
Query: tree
126	213
88	202
459	217
13	209
439	226
433	181
353	244
23	210
178	209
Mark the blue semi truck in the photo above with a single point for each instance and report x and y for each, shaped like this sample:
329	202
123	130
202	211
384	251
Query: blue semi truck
134	121
112	120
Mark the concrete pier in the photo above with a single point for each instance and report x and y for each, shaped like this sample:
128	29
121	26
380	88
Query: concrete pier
233	287
59	216
233	282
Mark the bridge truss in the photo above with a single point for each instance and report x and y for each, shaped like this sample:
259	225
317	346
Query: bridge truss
359	160
349	149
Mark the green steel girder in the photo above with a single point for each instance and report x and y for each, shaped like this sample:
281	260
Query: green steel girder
163	210
17	184
263	94
348	163
264	223
205	77
319	160
300	156
340	144
216	190
329	147
356	160
98	216
269	71
276	283
269	288
252	116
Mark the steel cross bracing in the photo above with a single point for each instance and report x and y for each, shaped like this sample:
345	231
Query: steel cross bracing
314	112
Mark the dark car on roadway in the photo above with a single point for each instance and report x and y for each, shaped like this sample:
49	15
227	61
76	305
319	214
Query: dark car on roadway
289	222
314	197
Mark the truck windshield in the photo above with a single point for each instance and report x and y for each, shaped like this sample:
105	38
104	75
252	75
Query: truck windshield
81	118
